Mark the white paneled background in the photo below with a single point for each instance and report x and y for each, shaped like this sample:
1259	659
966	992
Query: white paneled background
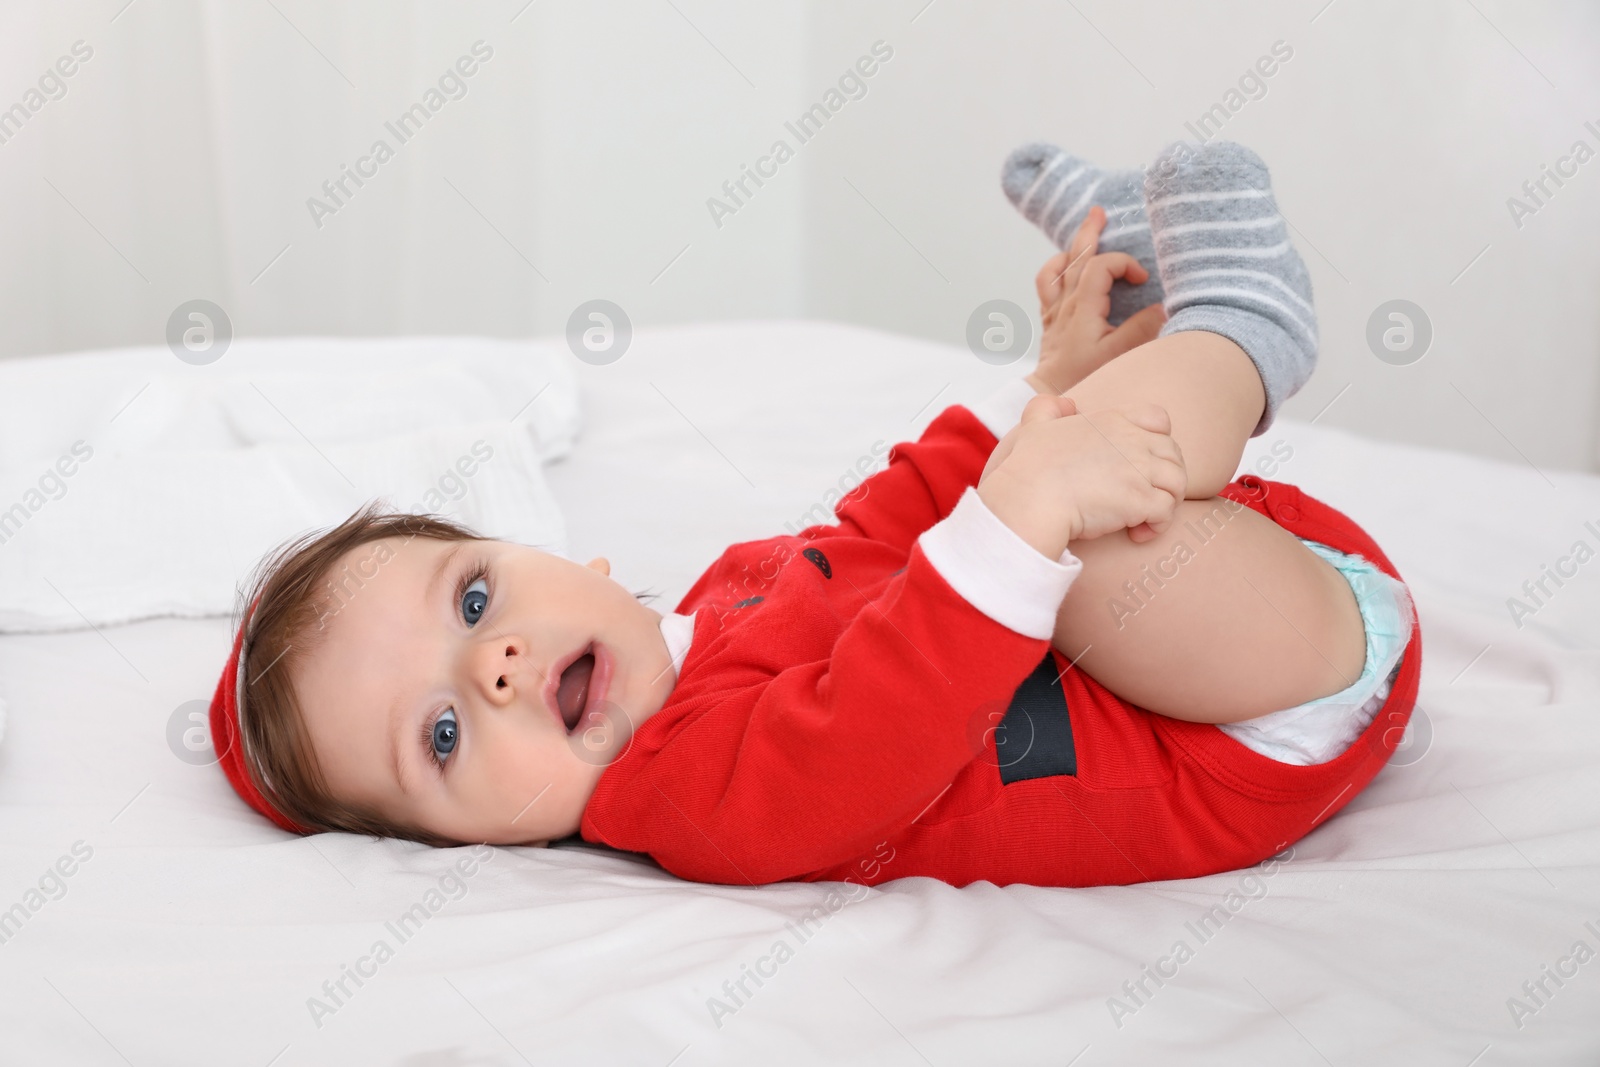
179	160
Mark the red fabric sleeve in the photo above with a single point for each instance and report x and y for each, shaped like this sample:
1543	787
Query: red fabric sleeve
817	764
921	485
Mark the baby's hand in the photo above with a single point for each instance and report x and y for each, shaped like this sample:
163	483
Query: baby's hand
1075	298
1065	477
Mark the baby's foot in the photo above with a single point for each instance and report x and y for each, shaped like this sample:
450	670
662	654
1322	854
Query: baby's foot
1054	191
1227	264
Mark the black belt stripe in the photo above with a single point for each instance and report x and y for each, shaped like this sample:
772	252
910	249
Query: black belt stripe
1034	739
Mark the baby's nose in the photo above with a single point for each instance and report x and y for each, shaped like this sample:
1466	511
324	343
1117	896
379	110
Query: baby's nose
503	665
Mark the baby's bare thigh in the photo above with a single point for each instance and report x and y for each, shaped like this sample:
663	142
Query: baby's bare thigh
1224	617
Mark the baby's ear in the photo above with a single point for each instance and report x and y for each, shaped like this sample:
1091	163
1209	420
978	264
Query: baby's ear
601	564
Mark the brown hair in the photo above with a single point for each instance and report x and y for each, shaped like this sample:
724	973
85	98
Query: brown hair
291	583
287	588
285	627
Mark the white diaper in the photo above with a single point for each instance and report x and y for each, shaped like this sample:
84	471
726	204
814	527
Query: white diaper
1317	731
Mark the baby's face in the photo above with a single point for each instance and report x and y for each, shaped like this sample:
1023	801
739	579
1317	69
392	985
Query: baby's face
437	696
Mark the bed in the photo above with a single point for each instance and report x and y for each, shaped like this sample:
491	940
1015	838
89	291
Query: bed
1449	915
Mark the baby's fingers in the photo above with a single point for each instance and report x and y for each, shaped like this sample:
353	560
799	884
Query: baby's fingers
1102	270
1160	508
1172	481
1168	482
1164	447
1078	253
1042	408
1048	282
1087	237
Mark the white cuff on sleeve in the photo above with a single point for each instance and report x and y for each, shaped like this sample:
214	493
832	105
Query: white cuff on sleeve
1003	408
996	571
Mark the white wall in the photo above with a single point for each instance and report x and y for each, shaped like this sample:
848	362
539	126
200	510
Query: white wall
1395	134
574	166
179	162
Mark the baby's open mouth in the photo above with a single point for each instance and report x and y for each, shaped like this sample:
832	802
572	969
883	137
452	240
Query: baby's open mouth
572	692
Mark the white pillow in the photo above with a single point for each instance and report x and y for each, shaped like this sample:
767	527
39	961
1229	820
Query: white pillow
164	508
291	389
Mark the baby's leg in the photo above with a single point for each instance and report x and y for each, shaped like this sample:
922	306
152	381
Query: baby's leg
1248	620
1055	191
1208	386
1240	335
1243	622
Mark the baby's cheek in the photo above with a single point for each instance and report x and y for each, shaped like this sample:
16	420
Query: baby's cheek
531	787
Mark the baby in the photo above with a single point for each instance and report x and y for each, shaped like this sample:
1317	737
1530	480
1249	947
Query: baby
1051	643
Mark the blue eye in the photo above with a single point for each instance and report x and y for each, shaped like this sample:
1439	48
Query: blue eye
474	601
445	735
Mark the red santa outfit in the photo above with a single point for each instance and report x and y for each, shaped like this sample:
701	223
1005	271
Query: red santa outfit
878	699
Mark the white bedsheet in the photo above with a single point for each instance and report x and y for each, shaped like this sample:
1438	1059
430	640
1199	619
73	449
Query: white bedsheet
1396	933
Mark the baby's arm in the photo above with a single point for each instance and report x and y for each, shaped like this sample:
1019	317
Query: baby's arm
802	770
1065	477
1207	385
926	478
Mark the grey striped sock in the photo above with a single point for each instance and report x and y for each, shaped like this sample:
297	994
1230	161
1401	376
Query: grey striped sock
1227	263
1054	191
